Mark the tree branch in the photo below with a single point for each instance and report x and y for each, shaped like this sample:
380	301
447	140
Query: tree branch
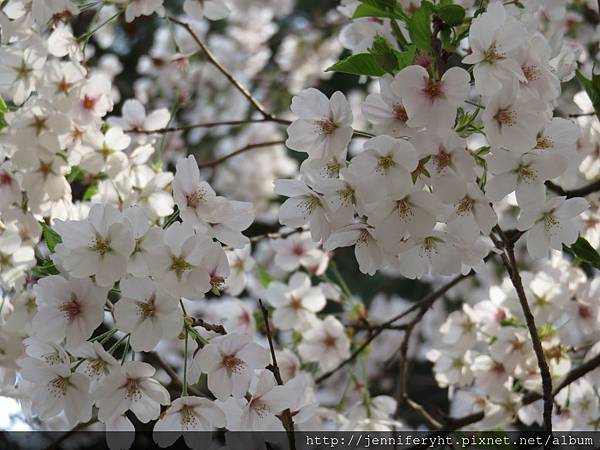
376	330
579	192
508	258
288	423
219	329
578	372
211	58
172	374
209	125
216	162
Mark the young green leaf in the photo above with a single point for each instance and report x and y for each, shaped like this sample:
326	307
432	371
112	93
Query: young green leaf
583	250
379	8
384	54
3	110
90	192
419	27
51	237
592	87
406	58
453	15
359	64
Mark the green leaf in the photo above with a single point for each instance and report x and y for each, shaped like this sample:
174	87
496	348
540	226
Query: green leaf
583	250
379	8
512	322
75	174
90	192
265	278
453	15
384	54
51	237
3	110
592	87
419	27
406	58
359	64
46	268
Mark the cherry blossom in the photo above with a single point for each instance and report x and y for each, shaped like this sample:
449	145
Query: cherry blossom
187	414
295	304
70	309
326	343
550	225
430	102
230	362
324	126
131	387
99	246
147	313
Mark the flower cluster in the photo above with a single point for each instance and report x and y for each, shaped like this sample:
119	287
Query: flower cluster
417	197
149	269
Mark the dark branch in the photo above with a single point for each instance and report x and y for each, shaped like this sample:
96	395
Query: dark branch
579	192
376	330
216	162
286	416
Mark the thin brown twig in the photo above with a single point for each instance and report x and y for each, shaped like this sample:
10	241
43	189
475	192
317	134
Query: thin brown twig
575	374
376	330
216	162
209	125
211	58
509	260
583	114
66	435
219	329
287	420
280	235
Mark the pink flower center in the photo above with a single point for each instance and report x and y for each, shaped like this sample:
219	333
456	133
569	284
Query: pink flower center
71	309
88	102
400	113
505	117
232	363
433	89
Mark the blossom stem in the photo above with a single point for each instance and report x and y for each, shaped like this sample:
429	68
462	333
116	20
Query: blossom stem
171	219
116	344
161	147
478	105
340	278
184	390
126	350
104	336
86	36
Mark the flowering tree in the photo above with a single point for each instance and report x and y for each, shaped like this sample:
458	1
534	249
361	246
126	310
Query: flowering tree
144	282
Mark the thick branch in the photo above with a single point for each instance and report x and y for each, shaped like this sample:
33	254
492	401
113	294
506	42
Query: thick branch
508	258
579	192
